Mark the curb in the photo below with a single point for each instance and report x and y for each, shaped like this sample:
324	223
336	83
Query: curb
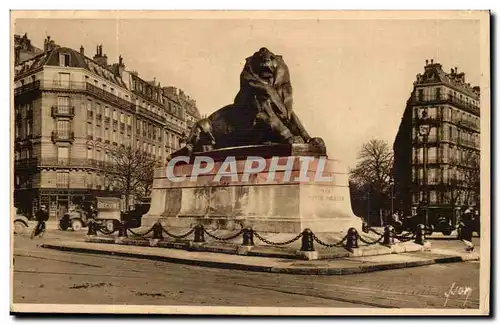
272	268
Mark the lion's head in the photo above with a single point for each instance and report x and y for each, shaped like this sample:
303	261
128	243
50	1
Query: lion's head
269	67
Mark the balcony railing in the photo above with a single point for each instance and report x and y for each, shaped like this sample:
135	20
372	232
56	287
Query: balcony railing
63	136
102	94
63	111
129	129
106	119
90	115
469	124
76	86
122	127
74	162
27	87
443	99
115	124
151	115
468	143
98	139
26	163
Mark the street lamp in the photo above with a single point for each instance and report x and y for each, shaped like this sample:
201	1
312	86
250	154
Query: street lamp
424	130
391	183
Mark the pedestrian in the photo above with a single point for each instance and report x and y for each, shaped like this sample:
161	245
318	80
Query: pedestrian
42	215
466	229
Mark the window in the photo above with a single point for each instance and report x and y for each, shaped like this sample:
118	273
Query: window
90	129
62	180
28	127
122	118
64	60
106	111
90	153
112	90
63	104
114	136
115	115
432	196
129	120
438	93
63	155
98	108
64	79
89	105
63	128
33	78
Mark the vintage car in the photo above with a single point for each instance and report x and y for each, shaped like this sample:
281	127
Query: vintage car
107	214
75	218
21	223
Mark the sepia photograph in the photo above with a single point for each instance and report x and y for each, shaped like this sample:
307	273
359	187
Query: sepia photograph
250	162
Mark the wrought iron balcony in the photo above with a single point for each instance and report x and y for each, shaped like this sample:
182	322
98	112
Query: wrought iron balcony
151	115
122	127
109	97
469	125
63	111
90	115
443	99
27	87
63	136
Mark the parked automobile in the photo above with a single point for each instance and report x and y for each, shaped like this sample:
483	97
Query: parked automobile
21	223
76	219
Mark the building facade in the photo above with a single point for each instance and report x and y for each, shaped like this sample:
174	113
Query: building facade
70	111
449	109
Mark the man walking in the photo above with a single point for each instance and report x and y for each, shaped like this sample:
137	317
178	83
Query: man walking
466	229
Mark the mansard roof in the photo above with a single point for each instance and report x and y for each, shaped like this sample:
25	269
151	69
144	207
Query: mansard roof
434	73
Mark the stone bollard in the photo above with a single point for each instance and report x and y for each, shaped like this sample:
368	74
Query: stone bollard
122	230
157	231
92	229
307	241
199	234
388	238
352	239
420	234
248	237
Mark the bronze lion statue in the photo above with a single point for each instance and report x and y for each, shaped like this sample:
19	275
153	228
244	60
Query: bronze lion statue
262	111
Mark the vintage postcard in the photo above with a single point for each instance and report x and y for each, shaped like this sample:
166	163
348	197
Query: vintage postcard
250	162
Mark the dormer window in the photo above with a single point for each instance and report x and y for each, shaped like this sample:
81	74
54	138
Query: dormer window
64	60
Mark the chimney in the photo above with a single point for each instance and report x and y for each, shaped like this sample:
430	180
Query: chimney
426	62
121	66
100	58
82	50
432	61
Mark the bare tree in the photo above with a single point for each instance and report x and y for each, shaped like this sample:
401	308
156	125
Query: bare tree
374	165
374	171
133	172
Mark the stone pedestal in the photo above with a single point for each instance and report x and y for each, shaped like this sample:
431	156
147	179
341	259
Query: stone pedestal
287	201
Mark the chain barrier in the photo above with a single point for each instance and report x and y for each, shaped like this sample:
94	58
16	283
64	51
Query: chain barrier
140	235
370	242
338	244
405	237
177	236
222	238
375	232
105	230
277	244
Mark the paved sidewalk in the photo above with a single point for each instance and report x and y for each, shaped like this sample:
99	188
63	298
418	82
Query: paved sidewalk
342	266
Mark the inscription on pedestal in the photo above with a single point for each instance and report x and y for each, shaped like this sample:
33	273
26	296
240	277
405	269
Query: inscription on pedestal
325	195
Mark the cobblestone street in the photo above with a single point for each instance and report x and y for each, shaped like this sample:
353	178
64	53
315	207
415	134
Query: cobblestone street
49	276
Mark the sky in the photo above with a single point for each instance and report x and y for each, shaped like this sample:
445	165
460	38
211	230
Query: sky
351	78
